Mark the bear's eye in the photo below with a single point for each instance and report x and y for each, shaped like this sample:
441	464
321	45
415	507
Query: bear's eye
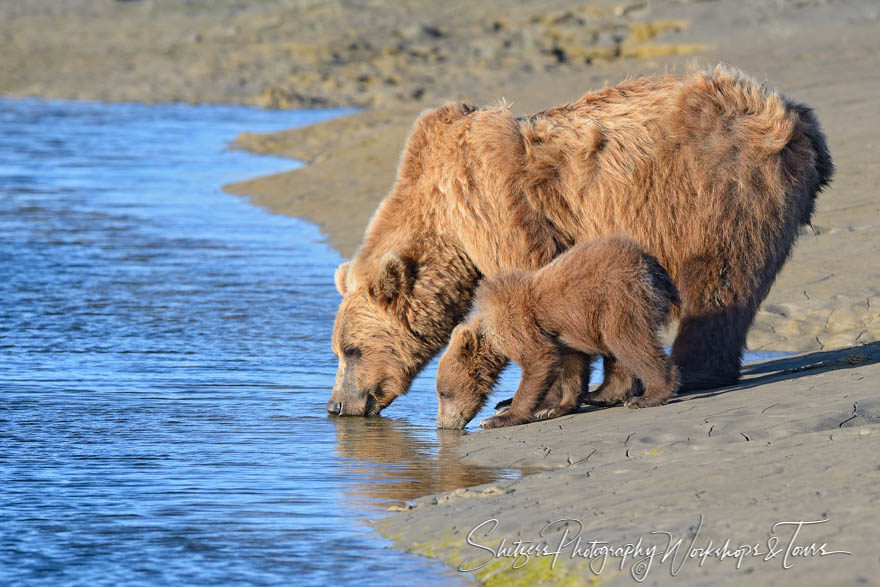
445	394
351	352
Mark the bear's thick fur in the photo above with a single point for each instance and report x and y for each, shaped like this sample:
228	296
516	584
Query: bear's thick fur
603	297
710	172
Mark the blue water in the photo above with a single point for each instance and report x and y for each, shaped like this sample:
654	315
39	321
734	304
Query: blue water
164	363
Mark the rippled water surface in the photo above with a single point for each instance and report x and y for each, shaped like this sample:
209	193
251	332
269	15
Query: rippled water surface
165	360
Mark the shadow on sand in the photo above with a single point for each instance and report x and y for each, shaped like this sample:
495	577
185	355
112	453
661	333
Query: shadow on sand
781	369
795	367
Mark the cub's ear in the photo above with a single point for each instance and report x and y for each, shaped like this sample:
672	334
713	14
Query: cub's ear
468	341
394	278
340	275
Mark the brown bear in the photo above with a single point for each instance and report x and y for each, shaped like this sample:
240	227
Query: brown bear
603	297
709	172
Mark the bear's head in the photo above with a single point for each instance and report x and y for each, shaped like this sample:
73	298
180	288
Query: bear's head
465	376
379	353
396	313
410	282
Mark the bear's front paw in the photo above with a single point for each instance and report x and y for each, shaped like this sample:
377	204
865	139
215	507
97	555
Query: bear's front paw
505	419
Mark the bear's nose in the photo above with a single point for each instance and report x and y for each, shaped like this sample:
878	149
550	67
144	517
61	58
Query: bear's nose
334	407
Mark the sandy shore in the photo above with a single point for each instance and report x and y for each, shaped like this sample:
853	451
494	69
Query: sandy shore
795	441
311	53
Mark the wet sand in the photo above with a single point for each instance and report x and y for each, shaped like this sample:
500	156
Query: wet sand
795	441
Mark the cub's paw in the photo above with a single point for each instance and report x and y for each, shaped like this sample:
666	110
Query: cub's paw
505	419
644	402
613	392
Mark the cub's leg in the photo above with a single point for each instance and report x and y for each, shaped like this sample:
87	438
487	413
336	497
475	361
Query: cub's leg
540	369
647	361
631	338
563	398
618	383
582	374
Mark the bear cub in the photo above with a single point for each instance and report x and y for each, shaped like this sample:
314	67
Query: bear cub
603	297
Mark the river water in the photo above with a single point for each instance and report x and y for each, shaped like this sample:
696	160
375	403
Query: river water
164	364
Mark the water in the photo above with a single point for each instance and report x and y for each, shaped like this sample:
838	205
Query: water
164	363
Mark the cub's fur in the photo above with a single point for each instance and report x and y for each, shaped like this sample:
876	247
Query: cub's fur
604	297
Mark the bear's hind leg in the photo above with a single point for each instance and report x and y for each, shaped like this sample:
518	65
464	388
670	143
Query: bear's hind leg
715	318
647	361
708	348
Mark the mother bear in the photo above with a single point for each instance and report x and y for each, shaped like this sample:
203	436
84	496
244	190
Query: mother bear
710	172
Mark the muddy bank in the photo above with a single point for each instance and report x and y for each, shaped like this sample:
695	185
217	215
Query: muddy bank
795	441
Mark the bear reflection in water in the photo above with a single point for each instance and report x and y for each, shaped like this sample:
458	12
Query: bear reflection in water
398	464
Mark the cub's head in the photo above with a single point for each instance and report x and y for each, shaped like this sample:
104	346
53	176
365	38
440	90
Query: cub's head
467	371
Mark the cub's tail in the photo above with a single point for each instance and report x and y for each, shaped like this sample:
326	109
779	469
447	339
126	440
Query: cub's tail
823	166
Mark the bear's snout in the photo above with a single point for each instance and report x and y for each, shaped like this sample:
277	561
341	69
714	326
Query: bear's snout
458	424
353	404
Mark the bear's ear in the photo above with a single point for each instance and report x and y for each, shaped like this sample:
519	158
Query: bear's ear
340	275
451	112
394	279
